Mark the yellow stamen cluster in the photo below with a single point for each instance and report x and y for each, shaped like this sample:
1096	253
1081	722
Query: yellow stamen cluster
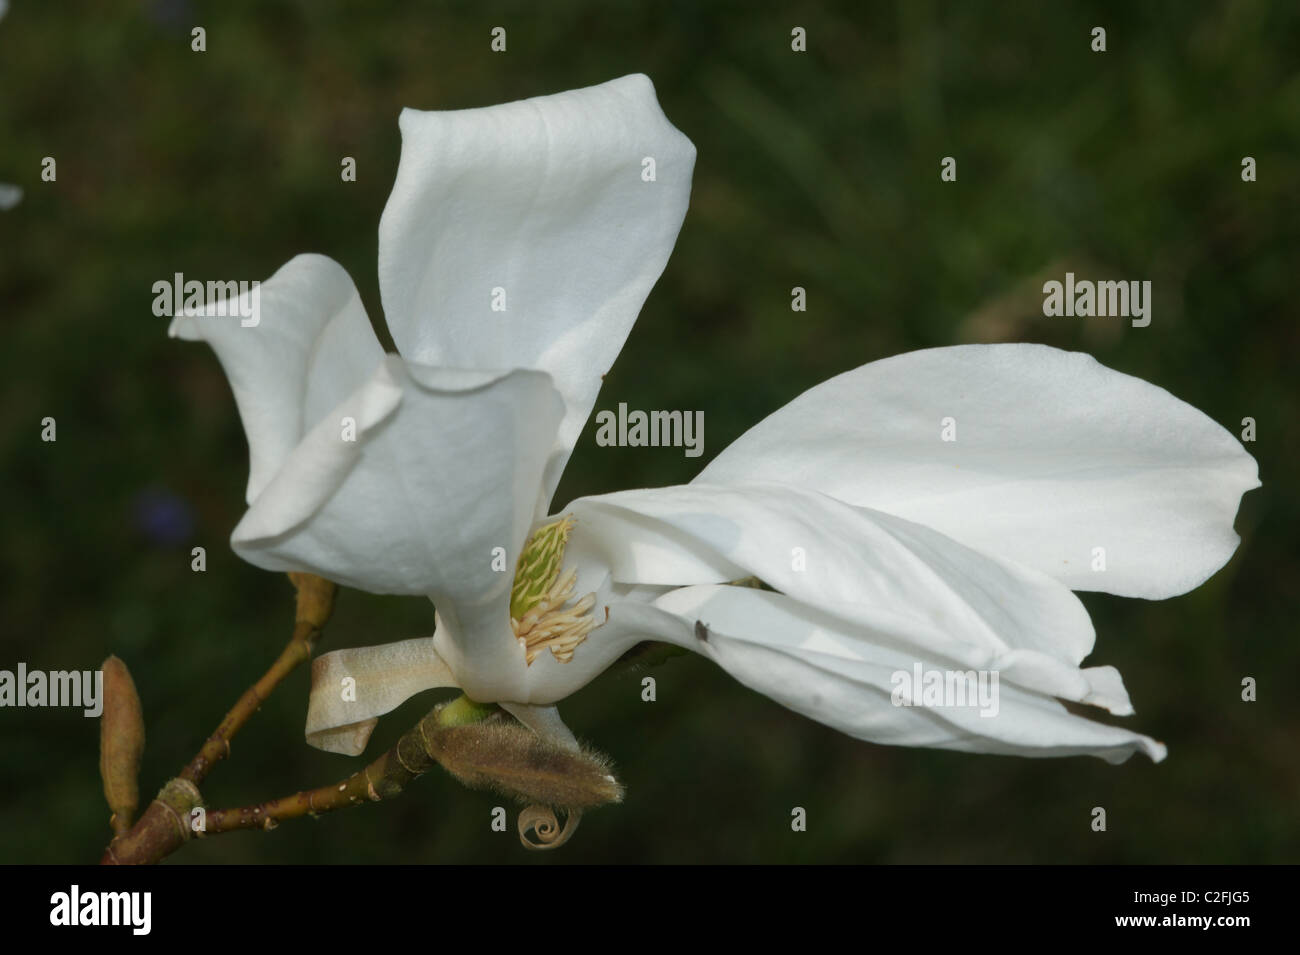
538	615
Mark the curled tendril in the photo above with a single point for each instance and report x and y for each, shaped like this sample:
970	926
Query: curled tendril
539	828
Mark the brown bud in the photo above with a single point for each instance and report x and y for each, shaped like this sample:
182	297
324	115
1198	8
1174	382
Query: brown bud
516	762
121	743
315	599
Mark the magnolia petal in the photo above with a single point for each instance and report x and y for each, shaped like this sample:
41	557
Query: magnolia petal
419	500
315	470
845	676
545	722
311	346
491	666
1054	455
822	551
351	689
543	199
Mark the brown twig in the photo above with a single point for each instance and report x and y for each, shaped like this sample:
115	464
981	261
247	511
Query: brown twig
217	746
315	603
165	824
164	827
464	738
386	777
170	820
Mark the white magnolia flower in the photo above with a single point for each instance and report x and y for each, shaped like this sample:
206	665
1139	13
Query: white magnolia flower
885	547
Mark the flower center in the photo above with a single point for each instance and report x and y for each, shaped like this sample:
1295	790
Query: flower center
538	615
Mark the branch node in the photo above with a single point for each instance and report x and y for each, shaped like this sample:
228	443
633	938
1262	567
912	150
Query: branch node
178	797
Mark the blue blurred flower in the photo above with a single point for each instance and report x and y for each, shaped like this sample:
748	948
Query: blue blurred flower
165	518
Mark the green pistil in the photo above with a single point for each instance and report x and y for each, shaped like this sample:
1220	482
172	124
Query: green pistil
539	566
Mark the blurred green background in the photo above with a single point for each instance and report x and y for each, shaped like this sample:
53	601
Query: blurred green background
817	169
